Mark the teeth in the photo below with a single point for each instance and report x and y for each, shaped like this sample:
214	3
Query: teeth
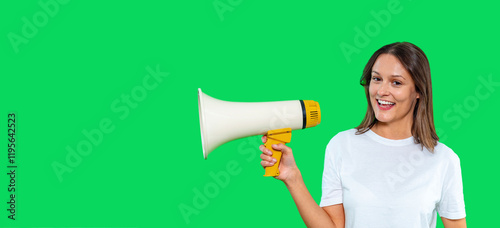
385	102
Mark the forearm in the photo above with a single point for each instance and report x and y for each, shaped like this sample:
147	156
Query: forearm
312	214
454	223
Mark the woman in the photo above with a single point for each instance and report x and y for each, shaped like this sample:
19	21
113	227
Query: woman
390	171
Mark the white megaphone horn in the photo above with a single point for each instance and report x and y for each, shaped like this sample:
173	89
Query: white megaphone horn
224	121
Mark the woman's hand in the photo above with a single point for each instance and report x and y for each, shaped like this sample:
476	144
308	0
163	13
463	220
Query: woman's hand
288	169
312	214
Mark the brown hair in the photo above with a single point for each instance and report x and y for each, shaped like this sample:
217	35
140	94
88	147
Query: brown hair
416	63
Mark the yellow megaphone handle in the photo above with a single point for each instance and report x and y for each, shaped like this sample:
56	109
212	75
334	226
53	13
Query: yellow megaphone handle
277	136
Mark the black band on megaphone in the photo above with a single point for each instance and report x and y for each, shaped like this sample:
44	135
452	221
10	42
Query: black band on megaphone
304	118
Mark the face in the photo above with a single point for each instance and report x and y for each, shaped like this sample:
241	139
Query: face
392	91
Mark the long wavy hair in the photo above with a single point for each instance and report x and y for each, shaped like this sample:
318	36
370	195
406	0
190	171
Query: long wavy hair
417	64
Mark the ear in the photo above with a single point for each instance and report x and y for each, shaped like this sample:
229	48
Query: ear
418	95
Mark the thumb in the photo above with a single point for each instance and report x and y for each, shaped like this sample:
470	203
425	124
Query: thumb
284	149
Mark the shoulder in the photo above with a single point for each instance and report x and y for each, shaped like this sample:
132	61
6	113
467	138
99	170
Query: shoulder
341	139
342	136
338	145
446	154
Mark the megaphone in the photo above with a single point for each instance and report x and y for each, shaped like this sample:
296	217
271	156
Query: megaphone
224	121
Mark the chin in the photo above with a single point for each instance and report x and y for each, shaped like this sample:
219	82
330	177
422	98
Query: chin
383	119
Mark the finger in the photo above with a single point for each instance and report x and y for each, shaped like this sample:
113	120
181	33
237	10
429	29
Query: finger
267	158
264	139
266	164
265	150
281	147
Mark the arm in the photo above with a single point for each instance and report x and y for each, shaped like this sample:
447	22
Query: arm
454	223
312	214
452	200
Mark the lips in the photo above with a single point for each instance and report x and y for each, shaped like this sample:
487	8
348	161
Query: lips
385	105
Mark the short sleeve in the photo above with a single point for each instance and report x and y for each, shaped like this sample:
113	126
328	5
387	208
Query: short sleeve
331	184
451	205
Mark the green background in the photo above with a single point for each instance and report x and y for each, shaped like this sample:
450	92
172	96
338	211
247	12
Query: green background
65	79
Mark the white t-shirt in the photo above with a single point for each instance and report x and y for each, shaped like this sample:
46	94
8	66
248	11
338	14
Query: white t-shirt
391	183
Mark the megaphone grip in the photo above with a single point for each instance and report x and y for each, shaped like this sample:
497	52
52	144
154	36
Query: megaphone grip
277	136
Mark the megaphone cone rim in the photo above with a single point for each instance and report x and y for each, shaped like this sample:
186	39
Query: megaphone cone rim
202	121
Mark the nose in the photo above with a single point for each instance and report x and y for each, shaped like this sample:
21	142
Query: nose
383	90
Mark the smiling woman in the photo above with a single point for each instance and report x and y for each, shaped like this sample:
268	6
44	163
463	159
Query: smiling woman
390	171
399	73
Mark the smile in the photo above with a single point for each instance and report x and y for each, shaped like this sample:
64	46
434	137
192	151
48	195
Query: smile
385	105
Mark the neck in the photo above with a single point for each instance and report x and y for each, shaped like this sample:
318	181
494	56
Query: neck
401	130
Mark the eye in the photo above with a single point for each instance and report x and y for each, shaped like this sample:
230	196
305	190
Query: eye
376	78
397	83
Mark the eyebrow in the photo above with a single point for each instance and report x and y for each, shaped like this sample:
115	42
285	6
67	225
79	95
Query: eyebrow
394	75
